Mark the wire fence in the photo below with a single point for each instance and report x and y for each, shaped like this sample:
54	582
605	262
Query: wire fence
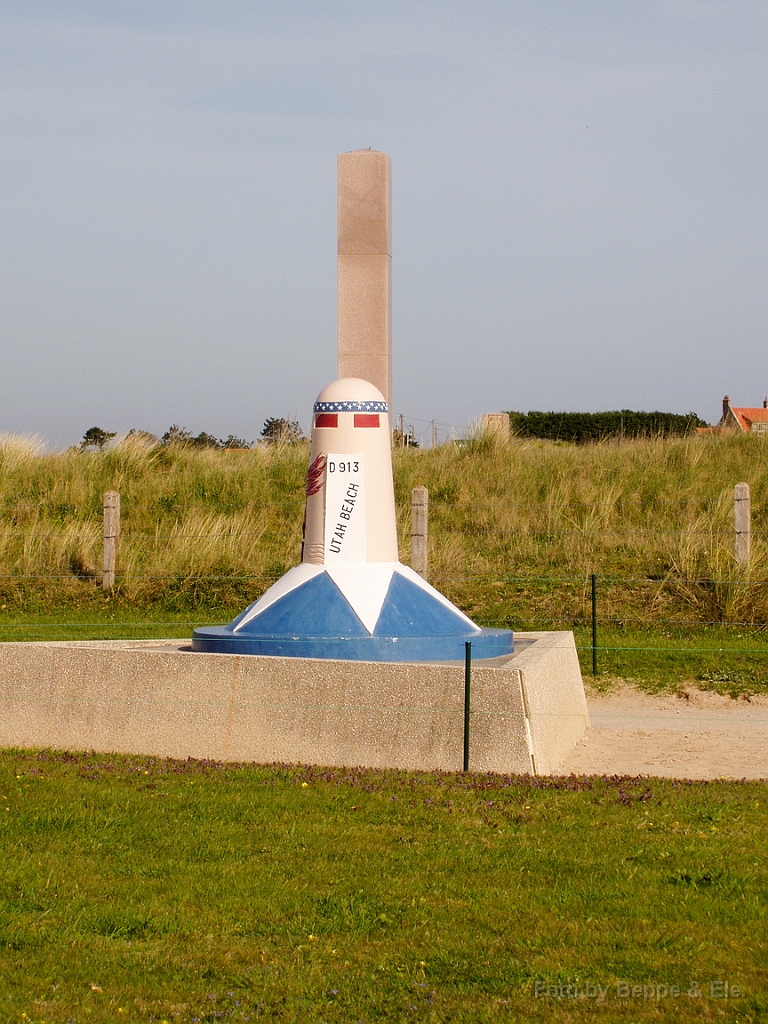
689	740
730	654
710	626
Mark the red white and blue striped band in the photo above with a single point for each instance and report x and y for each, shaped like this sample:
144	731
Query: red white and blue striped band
350	407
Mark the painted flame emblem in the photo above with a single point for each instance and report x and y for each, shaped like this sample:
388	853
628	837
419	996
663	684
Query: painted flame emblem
315	475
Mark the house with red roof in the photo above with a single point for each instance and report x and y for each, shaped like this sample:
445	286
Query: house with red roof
743	420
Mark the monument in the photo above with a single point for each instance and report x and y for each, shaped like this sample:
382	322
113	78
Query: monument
351	598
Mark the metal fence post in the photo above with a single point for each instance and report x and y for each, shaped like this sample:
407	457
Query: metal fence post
467	687
111	538
420	530
742	515
594	624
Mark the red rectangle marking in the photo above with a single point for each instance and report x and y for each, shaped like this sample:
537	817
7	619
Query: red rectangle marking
366	419
327	419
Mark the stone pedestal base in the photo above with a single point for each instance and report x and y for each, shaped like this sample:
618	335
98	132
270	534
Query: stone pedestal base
157	697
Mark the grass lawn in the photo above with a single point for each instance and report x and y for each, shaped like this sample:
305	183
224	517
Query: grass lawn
107	623
730	660
138	889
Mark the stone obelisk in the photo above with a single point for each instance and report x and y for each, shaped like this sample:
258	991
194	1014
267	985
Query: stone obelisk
365	269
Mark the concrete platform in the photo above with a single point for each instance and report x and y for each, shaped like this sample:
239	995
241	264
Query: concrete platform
157	697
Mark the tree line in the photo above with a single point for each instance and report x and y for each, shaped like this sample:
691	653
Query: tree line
276	430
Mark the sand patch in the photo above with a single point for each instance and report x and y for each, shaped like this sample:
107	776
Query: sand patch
696	734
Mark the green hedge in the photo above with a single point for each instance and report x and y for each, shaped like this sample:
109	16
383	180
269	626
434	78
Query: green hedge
580	427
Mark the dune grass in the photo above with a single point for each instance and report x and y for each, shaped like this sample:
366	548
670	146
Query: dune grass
199	526
140	889
657	512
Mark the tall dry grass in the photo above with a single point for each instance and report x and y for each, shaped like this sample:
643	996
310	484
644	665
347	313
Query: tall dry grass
653	518
515	528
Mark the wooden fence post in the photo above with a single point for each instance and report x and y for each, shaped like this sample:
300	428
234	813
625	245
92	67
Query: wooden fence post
420	531
111	538
742	515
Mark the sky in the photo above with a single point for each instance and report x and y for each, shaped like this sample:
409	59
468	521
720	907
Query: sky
579	206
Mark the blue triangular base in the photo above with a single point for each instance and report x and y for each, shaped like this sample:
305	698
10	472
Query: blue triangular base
315	608
408	610
314	619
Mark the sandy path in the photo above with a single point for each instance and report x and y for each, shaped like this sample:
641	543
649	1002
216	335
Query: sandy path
698	736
